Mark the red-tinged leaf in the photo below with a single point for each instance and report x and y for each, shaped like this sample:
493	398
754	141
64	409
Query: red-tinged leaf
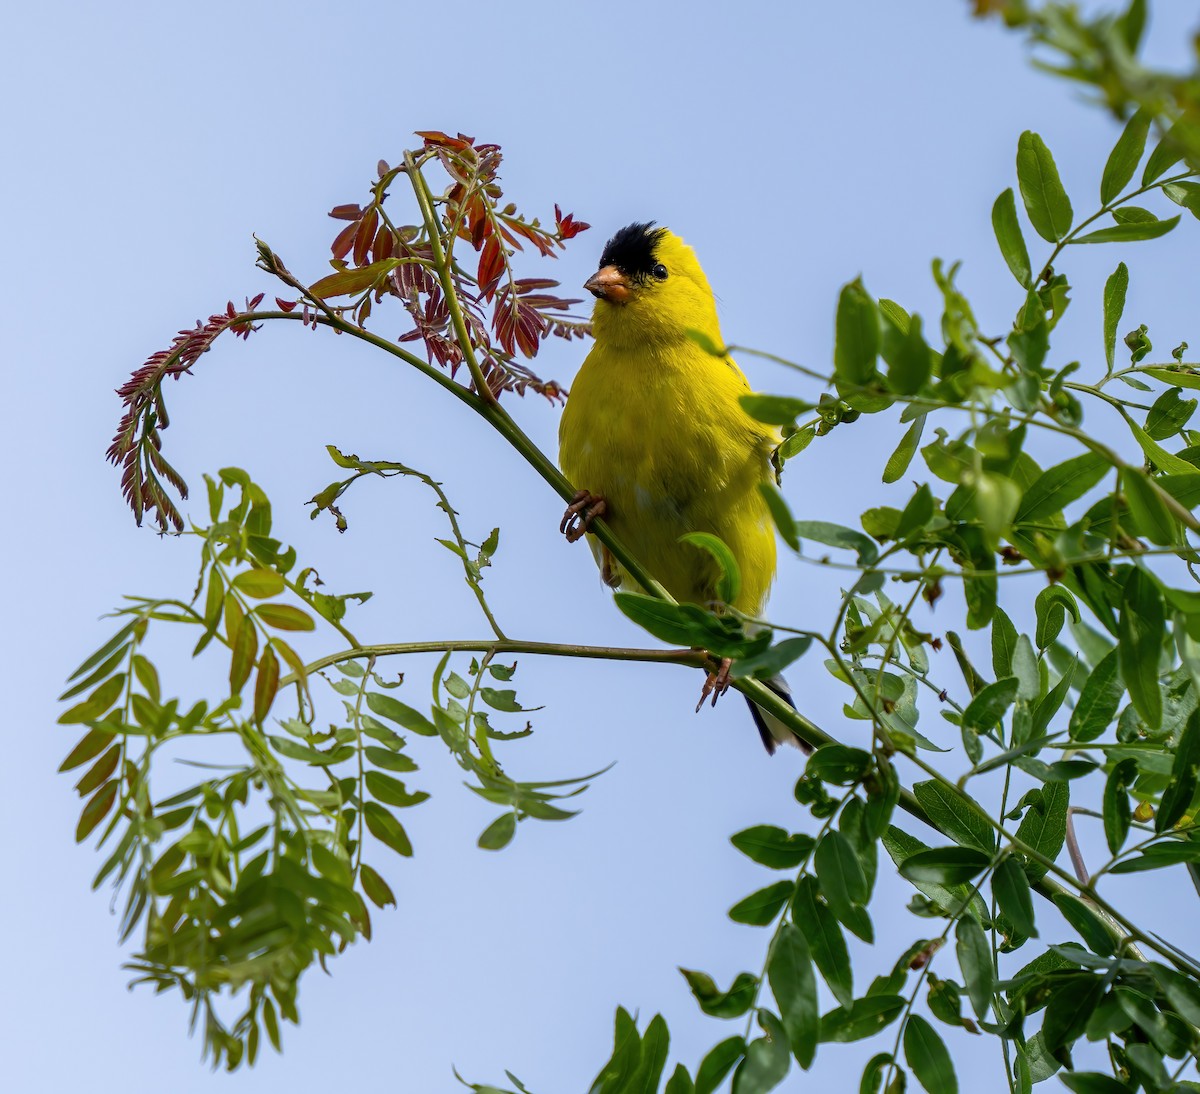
99	771
481	225
266	684
382	167
384	245
245	647
491	266
286	305
365	236
96	810
346	212
254	302
344	241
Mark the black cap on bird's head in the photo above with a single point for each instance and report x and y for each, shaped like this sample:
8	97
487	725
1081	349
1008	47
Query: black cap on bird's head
628	259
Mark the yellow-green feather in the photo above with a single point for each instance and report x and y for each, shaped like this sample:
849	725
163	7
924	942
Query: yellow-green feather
653	424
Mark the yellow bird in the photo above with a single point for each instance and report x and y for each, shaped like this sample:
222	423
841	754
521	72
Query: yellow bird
656	439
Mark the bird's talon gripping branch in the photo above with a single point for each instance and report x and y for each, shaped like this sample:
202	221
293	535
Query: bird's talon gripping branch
717	683
585	507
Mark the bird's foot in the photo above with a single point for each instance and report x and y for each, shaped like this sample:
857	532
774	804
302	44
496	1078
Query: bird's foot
585	507
717	683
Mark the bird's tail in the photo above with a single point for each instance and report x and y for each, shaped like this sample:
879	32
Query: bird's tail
772	731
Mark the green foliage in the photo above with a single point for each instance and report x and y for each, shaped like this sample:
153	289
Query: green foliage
246	878
241	881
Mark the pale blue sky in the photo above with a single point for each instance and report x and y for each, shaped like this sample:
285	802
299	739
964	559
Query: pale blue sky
795	146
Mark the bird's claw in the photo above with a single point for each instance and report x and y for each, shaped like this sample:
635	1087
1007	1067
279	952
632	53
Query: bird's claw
717	683
585	507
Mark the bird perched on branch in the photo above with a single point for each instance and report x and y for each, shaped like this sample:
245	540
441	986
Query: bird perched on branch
654	435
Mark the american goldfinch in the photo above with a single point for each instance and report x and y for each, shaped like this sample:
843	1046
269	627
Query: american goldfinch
656	439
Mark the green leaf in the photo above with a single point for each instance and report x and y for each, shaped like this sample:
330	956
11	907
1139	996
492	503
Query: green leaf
767	1059
862	1018
836	535
901	846
655	1044
96	704
1157	455
391	791
284	617
392	761
386	828
1005	758
1098	701
927	1056
775	409
618	1071
718	1063
1125	156
789	970
975	960
378	891
1092	929
839	764
773	660
680	1082
1052	605
1169	414
1114	306
1008	235
1147	508
1092	1082
780	514
899	460
499	833
1182	992
957	815
872	1076
762	907
1140	631
1167	153
109	650
721	1004
731	576
1069	1009
345	282
690	625
1025	669
1185	769
1159	857
911	364
1004	644
1129	232
1117	814
1186	194
1057	487
773	847
825	940
1046	201
1044	826
987	709
1011	889
843	883
945	865
400	713
259	583
856	345
916	514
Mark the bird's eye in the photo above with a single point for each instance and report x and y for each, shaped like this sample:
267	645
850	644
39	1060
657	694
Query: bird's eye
660	271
